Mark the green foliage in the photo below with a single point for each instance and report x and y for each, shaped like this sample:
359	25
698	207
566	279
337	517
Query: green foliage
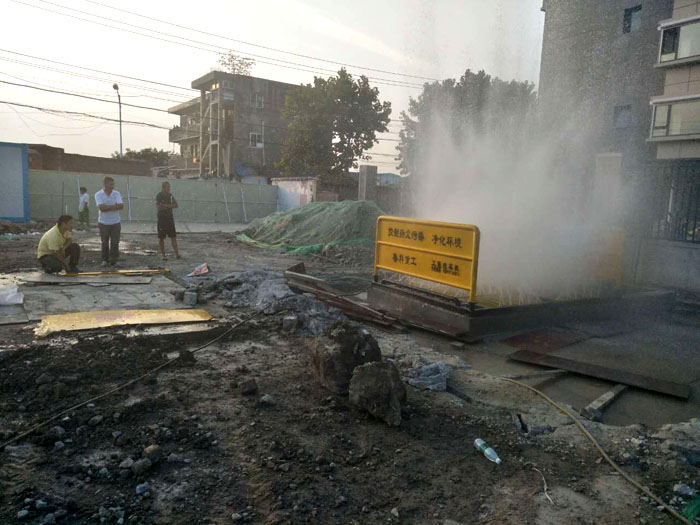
152	156
236	64
331	124
476	105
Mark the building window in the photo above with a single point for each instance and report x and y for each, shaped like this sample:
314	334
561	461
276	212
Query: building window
256	140
622	116
632	20
660	126
680	42
257	101
672	120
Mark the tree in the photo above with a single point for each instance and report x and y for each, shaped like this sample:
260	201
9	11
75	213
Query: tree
152	156
475	106
331	124
236	64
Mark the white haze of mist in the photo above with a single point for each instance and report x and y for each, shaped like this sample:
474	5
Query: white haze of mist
542	223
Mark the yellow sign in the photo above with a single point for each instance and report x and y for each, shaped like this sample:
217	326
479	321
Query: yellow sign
105	318
441	252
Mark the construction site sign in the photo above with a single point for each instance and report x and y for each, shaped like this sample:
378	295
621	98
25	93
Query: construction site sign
442	252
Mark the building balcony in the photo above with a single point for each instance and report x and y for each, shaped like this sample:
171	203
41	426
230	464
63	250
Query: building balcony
179	133
680	42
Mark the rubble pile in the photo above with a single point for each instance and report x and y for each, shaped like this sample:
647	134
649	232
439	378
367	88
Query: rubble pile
335	356
377	388
347	360
313	227
14	230
261	289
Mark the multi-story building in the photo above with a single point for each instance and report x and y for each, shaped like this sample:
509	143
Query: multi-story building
597	72
234	128
629	70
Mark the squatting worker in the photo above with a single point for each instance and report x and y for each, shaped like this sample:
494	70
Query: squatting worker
109	202
56	250
84	208
165	204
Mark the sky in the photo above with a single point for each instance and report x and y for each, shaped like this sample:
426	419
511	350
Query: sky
433	40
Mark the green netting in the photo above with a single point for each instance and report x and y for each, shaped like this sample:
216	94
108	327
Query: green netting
308	229
692	510
317	248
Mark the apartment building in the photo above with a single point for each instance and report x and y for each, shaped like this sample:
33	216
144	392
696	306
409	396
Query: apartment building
234	128
629	72
597	74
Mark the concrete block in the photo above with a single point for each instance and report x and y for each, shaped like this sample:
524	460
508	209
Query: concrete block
594	411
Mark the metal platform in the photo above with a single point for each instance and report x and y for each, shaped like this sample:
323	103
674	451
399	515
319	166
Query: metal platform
471	321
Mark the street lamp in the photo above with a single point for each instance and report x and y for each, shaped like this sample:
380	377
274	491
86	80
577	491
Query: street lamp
116	88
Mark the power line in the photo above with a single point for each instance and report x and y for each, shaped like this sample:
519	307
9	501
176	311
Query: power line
92	93
95	71
81	113
259	45
130	77
84	96
147	124
377	81
396	82
25	113
126	104
55	134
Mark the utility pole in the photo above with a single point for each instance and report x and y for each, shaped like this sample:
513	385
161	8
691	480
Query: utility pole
119	97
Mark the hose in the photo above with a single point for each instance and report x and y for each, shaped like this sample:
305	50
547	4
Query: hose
607	458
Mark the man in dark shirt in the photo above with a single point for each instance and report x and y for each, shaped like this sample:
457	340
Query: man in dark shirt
165	204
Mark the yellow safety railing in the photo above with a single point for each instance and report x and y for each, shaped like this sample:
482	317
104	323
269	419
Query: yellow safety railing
441	252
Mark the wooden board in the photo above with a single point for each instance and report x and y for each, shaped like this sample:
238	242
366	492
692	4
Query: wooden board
106	318
594	411
43	278
119	272
601	372
545	341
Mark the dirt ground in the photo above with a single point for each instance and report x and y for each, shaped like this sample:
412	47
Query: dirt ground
301	455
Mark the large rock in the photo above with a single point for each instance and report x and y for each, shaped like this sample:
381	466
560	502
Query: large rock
346	346
377	389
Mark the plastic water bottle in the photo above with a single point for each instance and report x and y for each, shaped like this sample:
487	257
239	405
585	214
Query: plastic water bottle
487	451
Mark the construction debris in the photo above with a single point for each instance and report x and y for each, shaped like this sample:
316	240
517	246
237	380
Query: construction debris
377	388
264	289
246	433
335	356
432	376
9	295
201	269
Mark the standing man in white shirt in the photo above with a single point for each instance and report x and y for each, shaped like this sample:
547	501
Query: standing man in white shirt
109	203
84	208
